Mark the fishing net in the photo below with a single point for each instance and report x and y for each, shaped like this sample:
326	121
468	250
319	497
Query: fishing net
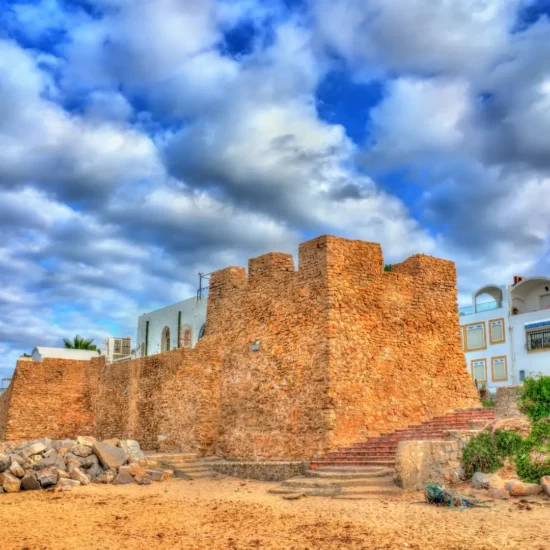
442	497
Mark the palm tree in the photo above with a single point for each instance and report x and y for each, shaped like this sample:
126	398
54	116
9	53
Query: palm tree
80	343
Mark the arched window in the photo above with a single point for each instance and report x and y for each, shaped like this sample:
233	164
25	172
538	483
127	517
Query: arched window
165	340
185	337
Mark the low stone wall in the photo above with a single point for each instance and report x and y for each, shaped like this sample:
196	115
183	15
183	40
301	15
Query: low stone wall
506	403
262	471
419	463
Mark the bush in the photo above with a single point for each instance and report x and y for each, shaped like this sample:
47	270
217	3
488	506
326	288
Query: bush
481	455
532	468
535	398
507	443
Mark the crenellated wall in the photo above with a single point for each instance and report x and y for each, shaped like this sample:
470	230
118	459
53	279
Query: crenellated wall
294	361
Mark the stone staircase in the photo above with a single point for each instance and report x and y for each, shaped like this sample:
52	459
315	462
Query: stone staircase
366	470
184	465
359	483
381	451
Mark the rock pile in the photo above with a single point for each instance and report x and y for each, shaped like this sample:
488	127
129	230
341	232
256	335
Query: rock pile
505	488
67	463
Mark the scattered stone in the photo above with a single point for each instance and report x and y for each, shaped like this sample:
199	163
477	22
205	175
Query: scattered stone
522	489
143	479
498	494
545	482
47	477
518	425
123	478
93	471
5	462
10	483
78	475
30	483
89	461
33	449
49	452
68	483
63	474
136	470
131	447
109	456
114	442
484	481
81	450
86	440
16	469
105	477
54	461
166	475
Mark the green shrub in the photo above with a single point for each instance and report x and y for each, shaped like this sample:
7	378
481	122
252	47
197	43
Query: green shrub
481	455
507	443
535	398
538	440
488	403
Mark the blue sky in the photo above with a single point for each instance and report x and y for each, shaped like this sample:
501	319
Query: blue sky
142	142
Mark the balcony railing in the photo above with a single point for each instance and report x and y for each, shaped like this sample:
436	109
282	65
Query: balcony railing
485	306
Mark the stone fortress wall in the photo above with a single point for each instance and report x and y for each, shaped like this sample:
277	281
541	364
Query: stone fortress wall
294	362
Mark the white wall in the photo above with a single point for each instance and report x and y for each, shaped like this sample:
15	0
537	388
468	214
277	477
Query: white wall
534	362
492	350
193	314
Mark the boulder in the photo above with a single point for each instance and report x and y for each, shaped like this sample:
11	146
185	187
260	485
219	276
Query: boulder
522	489
167	474
110	456
63	474
136	470
516	424
545	484
50	452
89	461
10	483
81	450
30	483
123	477
78	475
498	494
33	449
63	444
143	479
114	442
68	483
105	477
16	469
484	481
5	462
86	440
131	447
47	477
93	471
54	461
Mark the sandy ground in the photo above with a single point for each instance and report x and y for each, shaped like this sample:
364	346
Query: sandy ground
234	514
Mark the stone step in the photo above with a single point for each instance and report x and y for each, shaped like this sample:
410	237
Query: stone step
341	474
387	463
185	474
346	482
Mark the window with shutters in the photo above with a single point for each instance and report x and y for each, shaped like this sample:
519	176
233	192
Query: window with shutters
475	336
496	331
479	370
499	368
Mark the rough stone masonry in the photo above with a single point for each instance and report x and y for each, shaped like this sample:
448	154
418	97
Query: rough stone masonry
293	363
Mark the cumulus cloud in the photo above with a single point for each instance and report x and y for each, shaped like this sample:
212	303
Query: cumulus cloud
139	145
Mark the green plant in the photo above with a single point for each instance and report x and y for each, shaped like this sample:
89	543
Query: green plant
481	455
535	398
507	443
387	267
80	343
488	403
533	459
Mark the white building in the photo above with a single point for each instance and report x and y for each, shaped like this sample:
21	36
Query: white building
507	337
176	326
41	352
117	348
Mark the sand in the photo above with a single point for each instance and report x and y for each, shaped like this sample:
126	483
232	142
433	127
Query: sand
234	514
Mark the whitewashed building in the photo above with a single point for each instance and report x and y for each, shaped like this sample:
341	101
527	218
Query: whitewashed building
117	348
506	331
40	352
177	326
